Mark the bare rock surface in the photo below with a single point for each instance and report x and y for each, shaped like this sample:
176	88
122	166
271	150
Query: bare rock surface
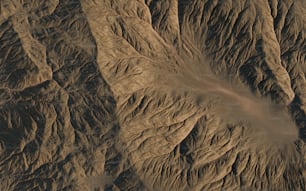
152	95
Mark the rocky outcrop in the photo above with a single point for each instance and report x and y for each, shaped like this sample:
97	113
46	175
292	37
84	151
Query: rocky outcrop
152	95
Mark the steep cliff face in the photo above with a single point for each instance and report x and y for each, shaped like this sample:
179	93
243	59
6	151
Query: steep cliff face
152	95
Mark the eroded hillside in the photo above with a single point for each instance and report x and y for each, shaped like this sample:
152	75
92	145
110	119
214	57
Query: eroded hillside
152	95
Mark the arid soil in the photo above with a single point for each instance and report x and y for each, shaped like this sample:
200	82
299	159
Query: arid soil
152	95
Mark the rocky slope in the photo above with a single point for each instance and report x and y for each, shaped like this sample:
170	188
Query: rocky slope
152	95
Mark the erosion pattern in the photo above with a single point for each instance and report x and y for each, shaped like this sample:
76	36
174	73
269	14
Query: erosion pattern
152	95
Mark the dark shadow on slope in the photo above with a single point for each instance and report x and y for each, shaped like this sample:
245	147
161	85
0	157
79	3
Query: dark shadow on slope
90	103
299	116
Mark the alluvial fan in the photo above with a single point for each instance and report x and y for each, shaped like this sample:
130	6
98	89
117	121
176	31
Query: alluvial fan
152	95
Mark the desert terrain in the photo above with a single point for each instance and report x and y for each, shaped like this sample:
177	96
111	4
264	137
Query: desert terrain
152	95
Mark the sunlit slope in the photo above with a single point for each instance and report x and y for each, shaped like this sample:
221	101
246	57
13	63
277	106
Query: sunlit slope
152	95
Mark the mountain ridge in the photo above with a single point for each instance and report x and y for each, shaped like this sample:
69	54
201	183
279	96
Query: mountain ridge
152	95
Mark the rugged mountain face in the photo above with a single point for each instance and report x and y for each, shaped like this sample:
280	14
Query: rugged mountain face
152	95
